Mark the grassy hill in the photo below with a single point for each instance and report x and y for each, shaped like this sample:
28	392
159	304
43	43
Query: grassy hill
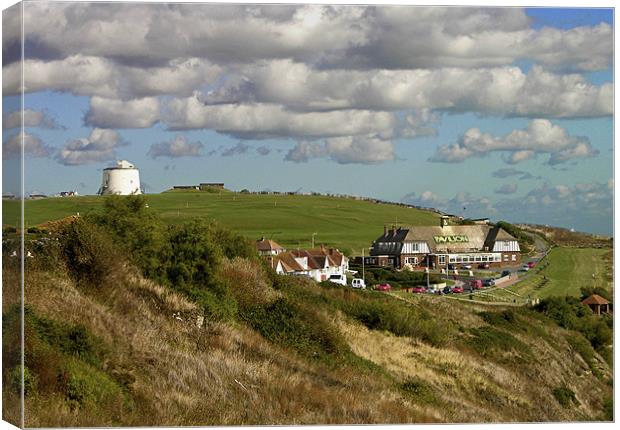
213	337
289	219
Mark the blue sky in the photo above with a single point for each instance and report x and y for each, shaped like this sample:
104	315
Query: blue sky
504	112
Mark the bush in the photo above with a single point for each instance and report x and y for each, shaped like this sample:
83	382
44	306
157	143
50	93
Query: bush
15	380
565	396
89	255
502	318
248	282
570	313
491	342
419	389
296	325
88	386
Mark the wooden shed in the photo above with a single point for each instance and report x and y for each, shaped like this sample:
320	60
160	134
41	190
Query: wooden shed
598	304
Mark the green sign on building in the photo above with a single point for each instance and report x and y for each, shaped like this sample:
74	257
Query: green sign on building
458	238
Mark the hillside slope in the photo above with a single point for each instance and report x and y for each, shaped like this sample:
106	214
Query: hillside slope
143	358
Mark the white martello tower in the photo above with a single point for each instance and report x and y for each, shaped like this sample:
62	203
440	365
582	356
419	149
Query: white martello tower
123	179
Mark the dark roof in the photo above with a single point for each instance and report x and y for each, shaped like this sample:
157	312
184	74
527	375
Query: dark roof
595	299
478	236
495	234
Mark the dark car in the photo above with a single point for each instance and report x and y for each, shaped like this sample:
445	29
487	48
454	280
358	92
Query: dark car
505	273
446	290
483	266
488	282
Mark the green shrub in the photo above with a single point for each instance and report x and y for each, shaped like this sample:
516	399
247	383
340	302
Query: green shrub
570	313
491	342
584	349
15	380
419	390
87	386
298	326
565	396
90	256
608	409
501	318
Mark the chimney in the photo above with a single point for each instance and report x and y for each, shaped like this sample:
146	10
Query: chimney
393	230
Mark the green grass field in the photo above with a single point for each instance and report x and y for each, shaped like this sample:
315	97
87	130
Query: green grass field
288	219
567	270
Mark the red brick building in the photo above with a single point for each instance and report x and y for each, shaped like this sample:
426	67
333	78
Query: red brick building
443	244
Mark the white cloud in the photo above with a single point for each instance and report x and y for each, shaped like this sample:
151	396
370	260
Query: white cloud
114	113
541	136
268	120
30	117
463	203
344	150
334	36
584	206
100	145
33	146
178	147
500	91
359	75
238	149
507	189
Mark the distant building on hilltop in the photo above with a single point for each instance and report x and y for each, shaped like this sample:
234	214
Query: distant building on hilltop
122	179
205	185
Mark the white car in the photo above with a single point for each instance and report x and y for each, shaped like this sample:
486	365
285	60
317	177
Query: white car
358	283
338	279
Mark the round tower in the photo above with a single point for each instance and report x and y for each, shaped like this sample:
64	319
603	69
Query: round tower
122	179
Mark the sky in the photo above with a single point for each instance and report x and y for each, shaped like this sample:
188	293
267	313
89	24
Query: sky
504	113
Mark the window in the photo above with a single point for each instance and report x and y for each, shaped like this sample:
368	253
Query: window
514	257
442	259
452	259
505	257
411	260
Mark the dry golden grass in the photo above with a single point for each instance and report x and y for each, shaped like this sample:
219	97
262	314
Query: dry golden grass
470	389
187	373
217	374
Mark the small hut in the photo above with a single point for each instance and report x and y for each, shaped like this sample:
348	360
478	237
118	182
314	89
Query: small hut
598	304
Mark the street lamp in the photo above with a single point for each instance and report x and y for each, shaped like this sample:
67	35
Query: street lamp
363	272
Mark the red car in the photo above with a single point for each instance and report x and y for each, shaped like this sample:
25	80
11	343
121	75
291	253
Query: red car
457	289
419	290
383	287
531	264
476	284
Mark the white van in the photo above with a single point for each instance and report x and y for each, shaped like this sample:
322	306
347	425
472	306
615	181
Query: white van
338	279
358	283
